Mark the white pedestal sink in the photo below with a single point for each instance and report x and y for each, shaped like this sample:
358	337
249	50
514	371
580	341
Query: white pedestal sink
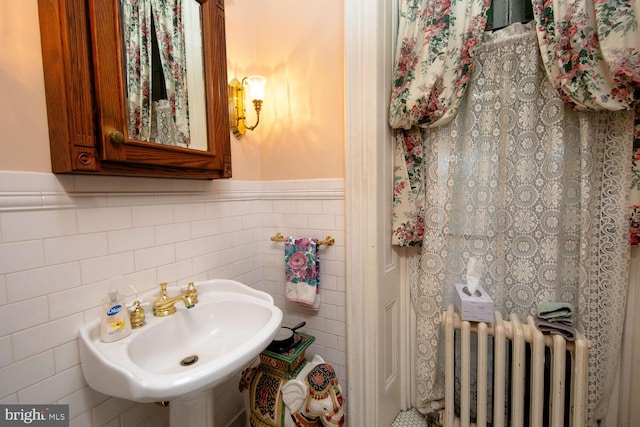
182	357
192	410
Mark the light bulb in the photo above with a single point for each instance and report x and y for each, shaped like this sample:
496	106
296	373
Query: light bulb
256	87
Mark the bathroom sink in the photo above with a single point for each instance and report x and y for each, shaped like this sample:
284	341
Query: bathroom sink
192	350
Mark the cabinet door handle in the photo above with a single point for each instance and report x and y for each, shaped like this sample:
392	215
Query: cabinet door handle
117	137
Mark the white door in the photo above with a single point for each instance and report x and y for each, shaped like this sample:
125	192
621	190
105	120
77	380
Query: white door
375	308
390	317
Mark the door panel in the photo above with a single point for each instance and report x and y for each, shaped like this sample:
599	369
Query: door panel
375	346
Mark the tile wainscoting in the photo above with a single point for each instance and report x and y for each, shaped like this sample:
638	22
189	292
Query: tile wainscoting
65	239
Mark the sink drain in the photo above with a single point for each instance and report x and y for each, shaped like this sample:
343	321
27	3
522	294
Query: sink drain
189	360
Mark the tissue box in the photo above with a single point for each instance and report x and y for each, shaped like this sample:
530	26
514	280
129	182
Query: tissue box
476	308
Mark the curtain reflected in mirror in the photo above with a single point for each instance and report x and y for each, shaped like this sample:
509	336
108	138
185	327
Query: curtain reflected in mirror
164	72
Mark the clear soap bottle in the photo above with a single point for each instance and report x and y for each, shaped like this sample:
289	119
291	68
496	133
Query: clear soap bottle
115	319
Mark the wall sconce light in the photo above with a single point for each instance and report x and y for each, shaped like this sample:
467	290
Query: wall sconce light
237	112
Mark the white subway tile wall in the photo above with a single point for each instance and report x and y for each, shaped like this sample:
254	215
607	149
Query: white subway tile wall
64	240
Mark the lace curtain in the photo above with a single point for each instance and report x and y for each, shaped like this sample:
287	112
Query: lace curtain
169	33
534	189
591	51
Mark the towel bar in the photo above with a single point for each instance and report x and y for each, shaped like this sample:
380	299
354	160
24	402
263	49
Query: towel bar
329	240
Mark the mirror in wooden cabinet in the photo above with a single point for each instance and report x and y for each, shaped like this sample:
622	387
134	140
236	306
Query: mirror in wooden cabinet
163	67
137	87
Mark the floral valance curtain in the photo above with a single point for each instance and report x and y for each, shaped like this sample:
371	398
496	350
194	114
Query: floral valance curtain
434	59
136	18
591	52
169	32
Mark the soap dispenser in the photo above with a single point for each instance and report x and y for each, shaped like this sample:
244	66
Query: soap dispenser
115	319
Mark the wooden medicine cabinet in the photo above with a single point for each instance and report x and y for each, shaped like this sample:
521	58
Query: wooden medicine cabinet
125	98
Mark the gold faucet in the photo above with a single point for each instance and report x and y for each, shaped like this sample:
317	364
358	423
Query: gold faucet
165	305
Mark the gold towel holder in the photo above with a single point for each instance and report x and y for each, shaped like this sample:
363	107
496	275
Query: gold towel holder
329	240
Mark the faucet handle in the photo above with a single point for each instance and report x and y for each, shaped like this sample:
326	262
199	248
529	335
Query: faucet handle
163	289
192	293
137	316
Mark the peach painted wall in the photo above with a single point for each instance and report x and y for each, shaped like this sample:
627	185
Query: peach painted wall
24	138
303	56
297	45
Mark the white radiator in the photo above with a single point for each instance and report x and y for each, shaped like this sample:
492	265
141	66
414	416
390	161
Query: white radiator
561	402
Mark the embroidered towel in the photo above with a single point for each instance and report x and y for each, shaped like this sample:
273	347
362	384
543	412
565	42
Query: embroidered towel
302	269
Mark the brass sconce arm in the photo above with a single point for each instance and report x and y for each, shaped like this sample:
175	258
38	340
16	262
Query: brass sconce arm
257	105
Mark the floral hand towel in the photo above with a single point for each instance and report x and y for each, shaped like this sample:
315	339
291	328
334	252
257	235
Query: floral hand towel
302	268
